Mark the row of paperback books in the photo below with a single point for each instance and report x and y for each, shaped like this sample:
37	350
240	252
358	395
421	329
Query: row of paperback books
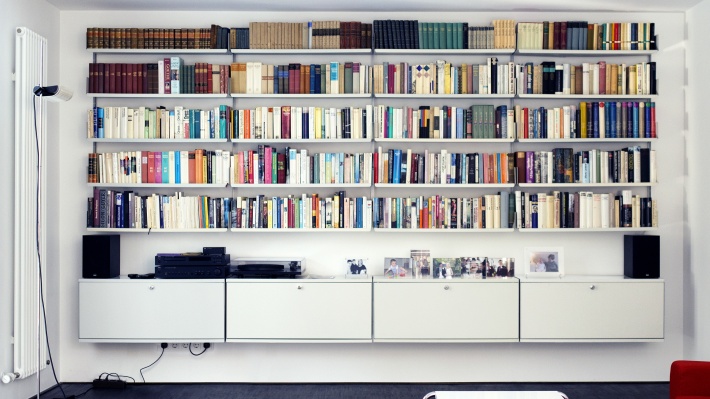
442	77
330	78
445	122
610	119
267	165
159	123
564	165
406	167
582	35
440	212
167	76
587	78
128	210
584	210
160	167
214	37
310	35
412	34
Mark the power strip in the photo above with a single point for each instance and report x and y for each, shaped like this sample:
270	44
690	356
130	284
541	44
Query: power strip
110	384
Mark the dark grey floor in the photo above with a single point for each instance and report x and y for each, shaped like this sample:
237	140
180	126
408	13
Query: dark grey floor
356	391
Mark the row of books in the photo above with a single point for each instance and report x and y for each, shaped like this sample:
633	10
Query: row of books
329	78
602	119
582	35
440	212
160	167
584	210
126	209
296	122
310	35
267	165
159	123
587	78
397	166
214	37
412	34
167	76
445	122
442	77
564	165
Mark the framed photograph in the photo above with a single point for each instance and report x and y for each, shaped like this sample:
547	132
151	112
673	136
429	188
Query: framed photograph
544	262
473	266
447	268
397	267
356	267
421	263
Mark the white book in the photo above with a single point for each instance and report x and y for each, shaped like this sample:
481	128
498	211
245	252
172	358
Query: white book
171	167
226	166
518	209
604	201
250	78
585	78
256	77
276	115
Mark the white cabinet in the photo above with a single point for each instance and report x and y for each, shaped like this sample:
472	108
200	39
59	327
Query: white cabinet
591	309
124	310
450	310
327	310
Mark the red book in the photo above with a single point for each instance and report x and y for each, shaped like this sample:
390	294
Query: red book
92	77
166	75
135	68
129	78
124	78
207	70
144	166
143	78
281	168
520	166
191	167
376	166
151	167
158	167
602	77
563	35
111	78
556	37
286	122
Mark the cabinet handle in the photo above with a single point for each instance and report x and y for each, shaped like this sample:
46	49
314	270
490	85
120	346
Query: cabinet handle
592	287
152	287
300	287
446	287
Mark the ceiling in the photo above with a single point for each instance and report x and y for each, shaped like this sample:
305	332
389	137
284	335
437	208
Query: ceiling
379	5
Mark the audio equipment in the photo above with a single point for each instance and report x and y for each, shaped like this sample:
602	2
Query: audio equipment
642	256
101	256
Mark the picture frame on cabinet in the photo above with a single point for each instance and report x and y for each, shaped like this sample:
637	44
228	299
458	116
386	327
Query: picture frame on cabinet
421	263
447	268
473	267
356	267
546	262
397	267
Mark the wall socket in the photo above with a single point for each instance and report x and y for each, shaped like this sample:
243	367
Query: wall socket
196	346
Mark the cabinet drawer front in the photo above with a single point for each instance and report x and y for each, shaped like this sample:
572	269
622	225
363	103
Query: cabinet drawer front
446	310
151	310
299	310
591	310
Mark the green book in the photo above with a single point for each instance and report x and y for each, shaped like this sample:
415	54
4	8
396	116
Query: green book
449	35
422	36
435	30
458	38
442	35
430	35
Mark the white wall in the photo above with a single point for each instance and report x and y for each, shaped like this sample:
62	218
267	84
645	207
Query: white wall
591	253
43	18
696	272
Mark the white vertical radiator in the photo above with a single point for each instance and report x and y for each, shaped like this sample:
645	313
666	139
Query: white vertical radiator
30	348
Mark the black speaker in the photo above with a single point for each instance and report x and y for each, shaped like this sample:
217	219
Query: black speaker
642	256
101	256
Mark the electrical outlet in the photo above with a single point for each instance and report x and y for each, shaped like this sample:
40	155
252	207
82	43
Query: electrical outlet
185	346
175	346
196	346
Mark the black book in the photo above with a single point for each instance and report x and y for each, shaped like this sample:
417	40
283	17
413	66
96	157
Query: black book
645	154
494	75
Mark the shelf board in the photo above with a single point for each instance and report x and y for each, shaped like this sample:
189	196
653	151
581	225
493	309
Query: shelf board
584	52
137	95
156	51
141	230
304	51
429	141
588	96
595	230
277	186
300	230
432	96
589	140
560	185
304	141
444	51
156	185
402	230
439	185
161	141
300	95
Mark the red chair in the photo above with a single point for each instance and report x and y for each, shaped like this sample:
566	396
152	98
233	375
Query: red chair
690	379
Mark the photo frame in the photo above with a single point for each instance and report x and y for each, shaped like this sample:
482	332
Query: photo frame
356	267
395	267
545	262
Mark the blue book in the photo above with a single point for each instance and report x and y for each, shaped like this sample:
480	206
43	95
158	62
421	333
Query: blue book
276	76
504	199
223	121
166	166
177	167
358	213
503	121
211	123
635	119
647	117
313	79
607	117
452	177
533	211
341	168
612	118
390	125
595	119
396	166
357	169
460	115
197	125
498	162
99	125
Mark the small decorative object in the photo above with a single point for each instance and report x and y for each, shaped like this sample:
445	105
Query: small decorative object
421	263
356	267
544	262
397	267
